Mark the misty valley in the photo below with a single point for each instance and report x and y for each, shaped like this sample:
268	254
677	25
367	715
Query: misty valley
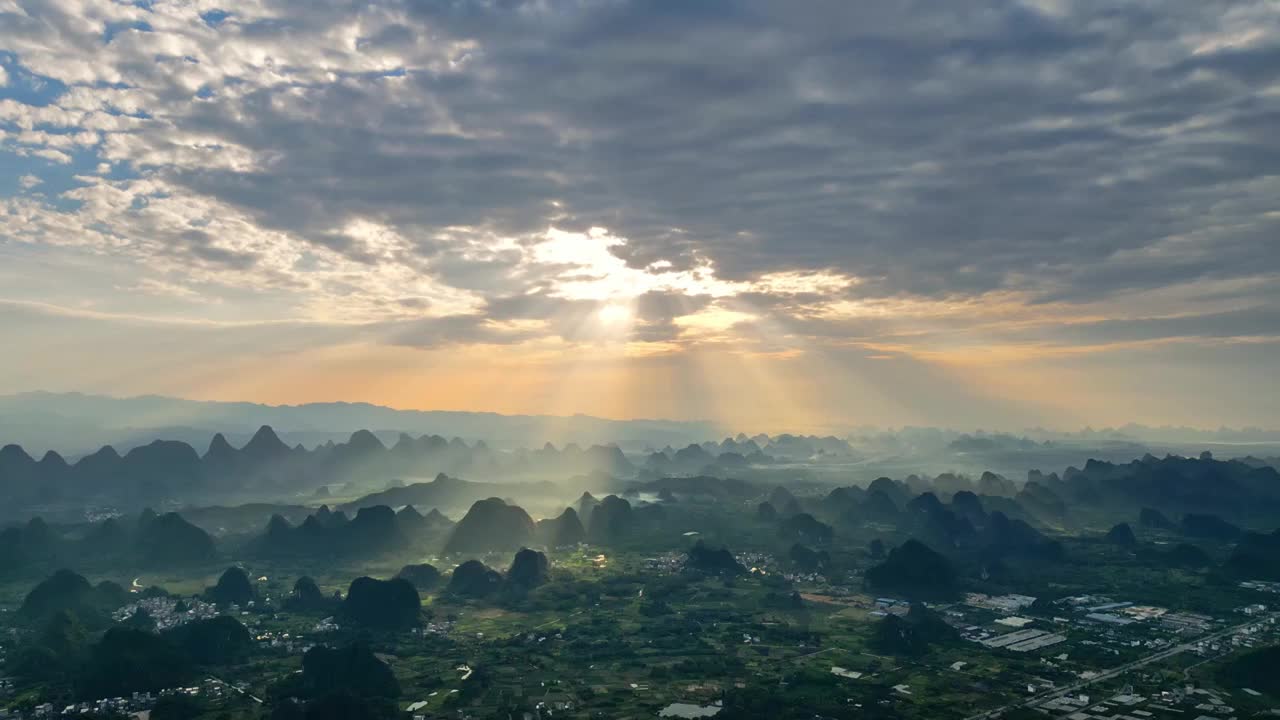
764	576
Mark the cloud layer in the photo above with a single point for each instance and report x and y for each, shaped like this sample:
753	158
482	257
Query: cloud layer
954	185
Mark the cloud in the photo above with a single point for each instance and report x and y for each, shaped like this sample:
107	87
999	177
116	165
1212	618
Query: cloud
921	176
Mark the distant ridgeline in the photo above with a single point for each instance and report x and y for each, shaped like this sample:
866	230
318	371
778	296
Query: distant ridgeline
173	471
926	533
1244	491
167	470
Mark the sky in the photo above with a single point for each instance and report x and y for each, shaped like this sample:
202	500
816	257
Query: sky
778	216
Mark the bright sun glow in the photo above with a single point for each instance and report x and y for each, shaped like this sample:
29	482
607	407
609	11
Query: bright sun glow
614	314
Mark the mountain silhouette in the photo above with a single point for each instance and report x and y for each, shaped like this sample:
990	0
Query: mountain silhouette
561	531
165	470
529	569
914	570
474	579
491	524
611	520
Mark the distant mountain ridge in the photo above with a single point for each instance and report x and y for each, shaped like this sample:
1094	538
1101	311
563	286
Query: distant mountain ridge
52	420
175	472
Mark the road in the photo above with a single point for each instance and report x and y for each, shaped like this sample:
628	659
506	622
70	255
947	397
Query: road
229	686
1108	674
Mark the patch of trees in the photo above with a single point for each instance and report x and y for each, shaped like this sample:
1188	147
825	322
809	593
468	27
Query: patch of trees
170	541
216	641
347	683
67	591
807	559
151	541
384	604
1256	557
713	561
424	577
1255	670
1182	555
914	570
1209	527
912	634
233	588
1154	519
306	597
1122	535
126	659
491	525
610	521
374	530
567	529
473	579
805	528
529	569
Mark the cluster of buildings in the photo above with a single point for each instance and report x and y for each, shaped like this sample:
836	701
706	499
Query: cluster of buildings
1024	640
441	627
1187	702
999	603
1106	622
168	612
211	688
283	641
1104	611
668	563
1261	586
890	606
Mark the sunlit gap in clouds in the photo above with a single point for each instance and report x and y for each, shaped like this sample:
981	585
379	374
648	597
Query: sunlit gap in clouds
600	365
715	354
